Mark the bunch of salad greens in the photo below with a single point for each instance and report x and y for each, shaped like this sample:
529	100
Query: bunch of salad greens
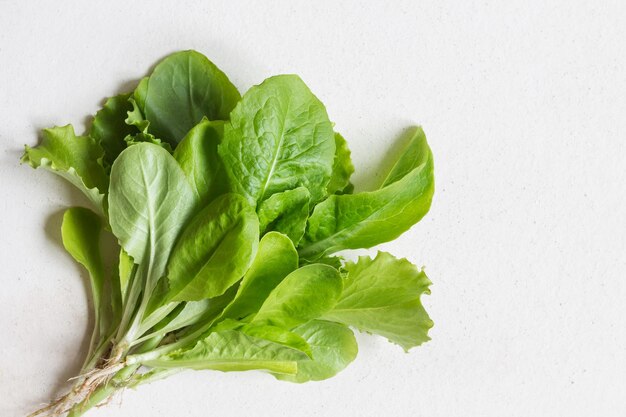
229	212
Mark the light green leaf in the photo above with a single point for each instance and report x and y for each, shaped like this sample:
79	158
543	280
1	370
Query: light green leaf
214	251
135	115
197	156
333	347
279	138
141	92
231	350
304	295
184	88
366	219
382	296
275	259
412	156
78	159
80	231
125	270
342	167
286	213
144	137
109	127
278	335
149	202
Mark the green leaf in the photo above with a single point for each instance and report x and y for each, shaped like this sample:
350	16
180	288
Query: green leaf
214	251
279	138
184	88
149	202
144	137
141	92
80	231
412	156
342	167
278	335
78	159
231	350
286	212
333	347
275	259
109	127
134	116
197	156
303	295
125	270
366	219
382	296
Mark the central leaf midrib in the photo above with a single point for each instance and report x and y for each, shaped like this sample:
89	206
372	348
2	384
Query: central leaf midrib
275	155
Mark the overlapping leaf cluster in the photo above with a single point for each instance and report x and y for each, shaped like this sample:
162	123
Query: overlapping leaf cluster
228	211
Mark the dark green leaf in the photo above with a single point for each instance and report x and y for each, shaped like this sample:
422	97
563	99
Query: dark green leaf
183	89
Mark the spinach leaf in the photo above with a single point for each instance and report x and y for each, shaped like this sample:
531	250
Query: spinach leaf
197	156
275	259
184	88
279	138
382	296
231	350
78	159
304	295
342	168
366	219
149	202
286	212
214	251
333	348
109	127
80	231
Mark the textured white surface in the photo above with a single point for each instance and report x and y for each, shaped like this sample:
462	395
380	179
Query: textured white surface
524	105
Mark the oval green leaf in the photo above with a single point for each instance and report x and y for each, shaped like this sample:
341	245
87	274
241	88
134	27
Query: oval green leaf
279	138
214	251
303	295
184	88
275	259
197	156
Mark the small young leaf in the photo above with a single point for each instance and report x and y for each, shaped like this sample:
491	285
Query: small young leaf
109	127
333	347
279	138
197	156
304	295
382	296
214	251
342	167
286	213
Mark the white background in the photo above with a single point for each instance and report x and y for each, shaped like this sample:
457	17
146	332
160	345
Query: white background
524	106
